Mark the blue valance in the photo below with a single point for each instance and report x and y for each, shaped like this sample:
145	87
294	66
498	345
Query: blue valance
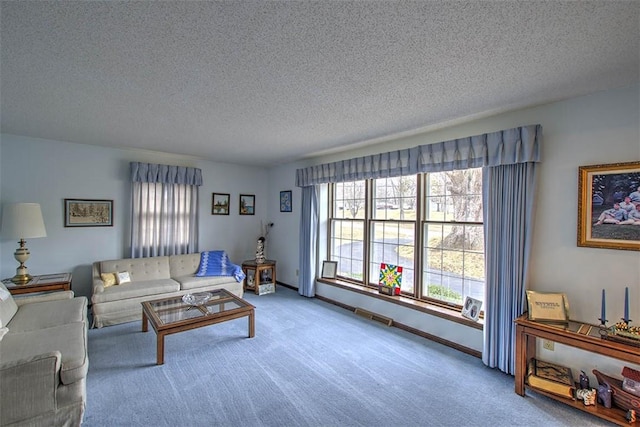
165	174
505	147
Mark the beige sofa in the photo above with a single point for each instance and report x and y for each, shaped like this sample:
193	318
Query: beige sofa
151	278
43	359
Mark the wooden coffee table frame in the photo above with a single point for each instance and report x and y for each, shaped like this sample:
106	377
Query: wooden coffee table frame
150	315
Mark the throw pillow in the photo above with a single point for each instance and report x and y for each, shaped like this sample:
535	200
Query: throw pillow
109	279
123	277
212	263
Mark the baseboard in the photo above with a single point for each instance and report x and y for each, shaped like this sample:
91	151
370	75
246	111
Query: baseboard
404	327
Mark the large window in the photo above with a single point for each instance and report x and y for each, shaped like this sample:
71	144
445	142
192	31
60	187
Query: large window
453	237
393	227
426	223
347	229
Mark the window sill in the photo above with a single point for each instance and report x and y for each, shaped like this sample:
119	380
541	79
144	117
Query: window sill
432	309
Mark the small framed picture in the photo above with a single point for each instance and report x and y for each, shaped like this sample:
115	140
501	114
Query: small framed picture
329	269
247	204
88	213
220	204
285	201
471	308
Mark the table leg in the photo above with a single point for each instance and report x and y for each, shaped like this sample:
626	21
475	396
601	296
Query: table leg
160	349
145	323
521	359
252	324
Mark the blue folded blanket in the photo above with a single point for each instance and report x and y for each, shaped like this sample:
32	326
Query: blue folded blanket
217	263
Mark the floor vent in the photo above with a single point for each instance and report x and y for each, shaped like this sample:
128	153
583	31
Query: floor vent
373	316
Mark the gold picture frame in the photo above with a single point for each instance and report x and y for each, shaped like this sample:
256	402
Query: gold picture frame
550	307
600	188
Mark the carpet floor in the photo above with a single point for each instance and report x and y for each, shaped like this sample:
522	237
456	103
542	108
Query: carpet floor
310	364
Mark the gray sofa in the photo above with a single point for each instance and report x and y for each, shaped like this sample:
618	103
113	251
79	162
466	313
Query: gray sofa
151	278
43	359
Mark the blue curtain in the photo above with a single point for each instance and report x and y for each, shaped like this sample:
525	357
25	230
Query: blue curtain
165	174
504	147
508	200
164	209
308	238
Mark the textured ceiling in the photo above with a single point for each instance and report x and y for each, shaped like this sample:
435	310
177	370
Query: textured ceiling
271	82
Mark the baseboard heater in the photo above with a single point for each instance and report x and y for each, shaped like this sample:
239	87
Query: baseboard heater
373	316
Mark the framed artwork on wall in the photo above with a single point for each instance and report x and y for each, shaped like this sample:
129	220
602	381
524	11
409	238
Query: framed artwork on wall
609	206
285	201
247	204
88	213
220	203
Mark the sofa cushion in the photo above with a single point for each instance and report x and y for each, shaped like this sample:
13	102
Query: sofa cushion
191	282
184	265
39	315
139	268
70	340
136	289
108	279
123	277
8	306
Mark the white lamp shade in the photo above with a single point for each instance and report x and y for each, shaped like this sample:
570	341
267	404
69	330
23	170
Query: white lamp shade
22	220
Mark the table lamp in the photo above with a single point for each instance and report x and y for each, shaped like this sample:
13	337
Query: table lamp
20	221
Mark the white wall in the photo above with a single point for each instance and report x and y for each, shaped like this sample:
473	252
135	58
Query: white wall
47	172
596	129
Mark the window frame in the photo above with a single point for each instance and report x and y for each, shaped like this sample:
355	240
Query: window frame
419	223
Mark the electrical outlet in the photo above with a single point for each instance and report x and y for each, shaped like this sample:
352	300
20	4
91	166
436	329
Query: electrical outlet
547	344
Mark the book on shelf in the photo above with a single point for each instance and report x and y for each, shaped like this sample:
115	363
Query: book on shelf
551	377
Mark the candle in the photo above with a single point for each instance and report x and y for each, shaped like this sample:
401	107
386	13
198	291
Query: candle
626	304
602	314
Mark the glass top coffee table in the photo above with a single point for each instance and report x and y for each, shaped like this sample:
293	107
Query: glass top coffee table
177	314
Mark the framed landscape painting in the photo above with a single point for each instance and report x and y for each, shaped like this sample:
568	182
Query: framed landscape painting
247	204
88	213
609	206
220	204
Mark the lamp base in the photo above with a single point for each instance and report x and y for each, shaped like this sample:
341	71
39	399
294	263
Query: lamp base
21	279
21	255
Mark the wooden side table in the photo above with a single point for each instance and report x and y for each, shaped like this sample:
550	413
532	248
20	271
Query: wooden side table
261	278
44	283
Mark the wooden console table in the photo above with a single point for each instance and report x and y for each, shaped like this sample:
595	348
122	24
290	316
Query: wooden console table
578	335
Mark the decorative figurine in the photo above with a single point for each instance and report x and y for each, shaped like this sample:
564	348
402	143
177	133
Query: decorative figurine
604	395
587	395
631	416
584	380
260	258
